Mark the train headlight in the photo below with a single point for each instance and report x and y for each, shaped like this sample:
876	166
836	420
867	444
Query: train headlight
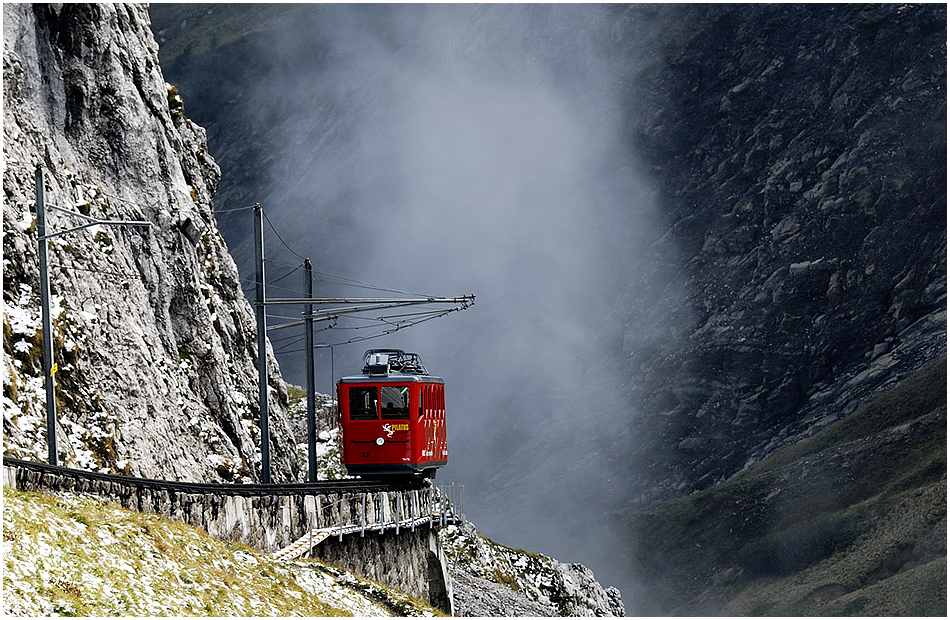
380	441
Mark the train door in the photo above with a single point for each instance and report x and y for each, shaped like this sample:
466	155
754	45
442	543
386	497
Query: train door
441	453
376	425
431	422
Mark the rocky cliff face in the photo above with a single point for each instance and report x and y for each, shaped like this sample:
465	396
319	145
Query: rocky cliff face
154	340
800	154
489	579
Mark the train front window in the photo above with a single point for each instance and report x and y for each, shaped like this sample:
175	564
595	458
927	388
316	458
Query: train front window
395	401
363	403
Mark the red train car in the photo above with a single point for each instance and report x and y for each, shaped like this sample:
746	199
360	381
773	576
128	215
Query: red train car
392	417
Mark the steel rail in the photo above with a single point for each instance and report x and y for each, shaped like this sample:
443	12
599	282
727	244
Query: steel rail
320	487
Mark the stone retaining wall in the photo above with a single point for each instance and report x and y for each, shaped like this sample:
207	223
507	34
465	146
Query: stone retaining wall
411	560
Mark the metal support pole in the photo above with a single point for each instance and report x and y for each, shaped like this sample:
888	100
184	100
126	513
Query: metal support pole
398	501
363	518
311	395
452	499
43	237
341	518
47	319
261	342
310	527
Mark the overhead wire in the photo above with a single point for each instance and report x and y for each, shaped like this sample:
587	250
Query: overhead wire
410	318
273	282
286	318
234	210
395	322
127	201
280	349
289	249
341	280
390	330
334	279
359	284
252	285
344	281
295	337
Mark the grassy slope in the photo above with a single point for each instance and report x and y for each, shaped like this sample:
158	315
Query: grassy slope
75	556
851	521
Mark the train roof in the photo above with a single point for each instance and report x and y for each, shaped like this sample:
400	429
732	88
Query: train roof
394	377
392	365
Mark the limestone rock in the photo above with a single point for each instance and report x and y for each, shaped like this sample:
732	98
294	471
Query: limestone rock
493	580
154	339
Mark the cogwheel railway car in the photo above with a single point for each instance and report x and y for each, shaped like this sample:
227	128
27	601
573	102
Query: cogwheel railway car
392	417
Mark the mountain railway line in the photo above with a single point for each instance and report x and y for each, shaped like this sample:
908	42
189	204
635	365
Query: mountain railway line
364	526
320	487
393	432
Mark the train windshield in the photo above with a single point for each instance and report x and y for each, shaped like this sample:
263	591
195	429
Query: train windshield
363	403
395	402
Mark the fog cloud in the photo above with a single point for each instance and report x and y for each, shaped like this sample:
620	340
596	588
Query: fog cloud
477	149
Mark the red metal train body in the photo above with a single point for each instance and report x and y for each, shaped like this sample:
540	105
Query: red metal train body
392	417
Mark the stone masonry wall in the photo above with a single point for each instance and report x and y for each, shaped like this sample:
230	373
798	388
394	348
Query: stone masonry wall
267	520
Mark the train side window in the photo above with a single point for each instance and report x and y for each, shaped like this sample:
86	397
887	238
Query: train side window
422	398
395	400
363	403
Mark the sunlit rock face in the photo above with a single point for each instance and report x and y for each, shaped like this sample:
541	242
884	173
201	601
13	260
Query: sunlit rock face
155	343
800	156
489	579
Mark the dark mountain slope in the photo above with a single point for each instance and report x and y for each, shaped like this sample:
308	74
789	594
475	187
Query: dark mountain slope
851	521
801	152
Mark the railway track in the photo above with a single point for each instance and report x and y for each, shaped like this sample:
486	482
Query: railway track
320	487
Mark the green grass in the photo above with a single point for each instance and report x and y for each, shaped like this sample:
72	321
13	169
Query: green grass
296	395
826	526
922	392
83	557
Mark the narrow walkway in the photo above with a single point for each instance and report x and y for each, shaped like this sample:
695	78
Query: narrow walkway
311	539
